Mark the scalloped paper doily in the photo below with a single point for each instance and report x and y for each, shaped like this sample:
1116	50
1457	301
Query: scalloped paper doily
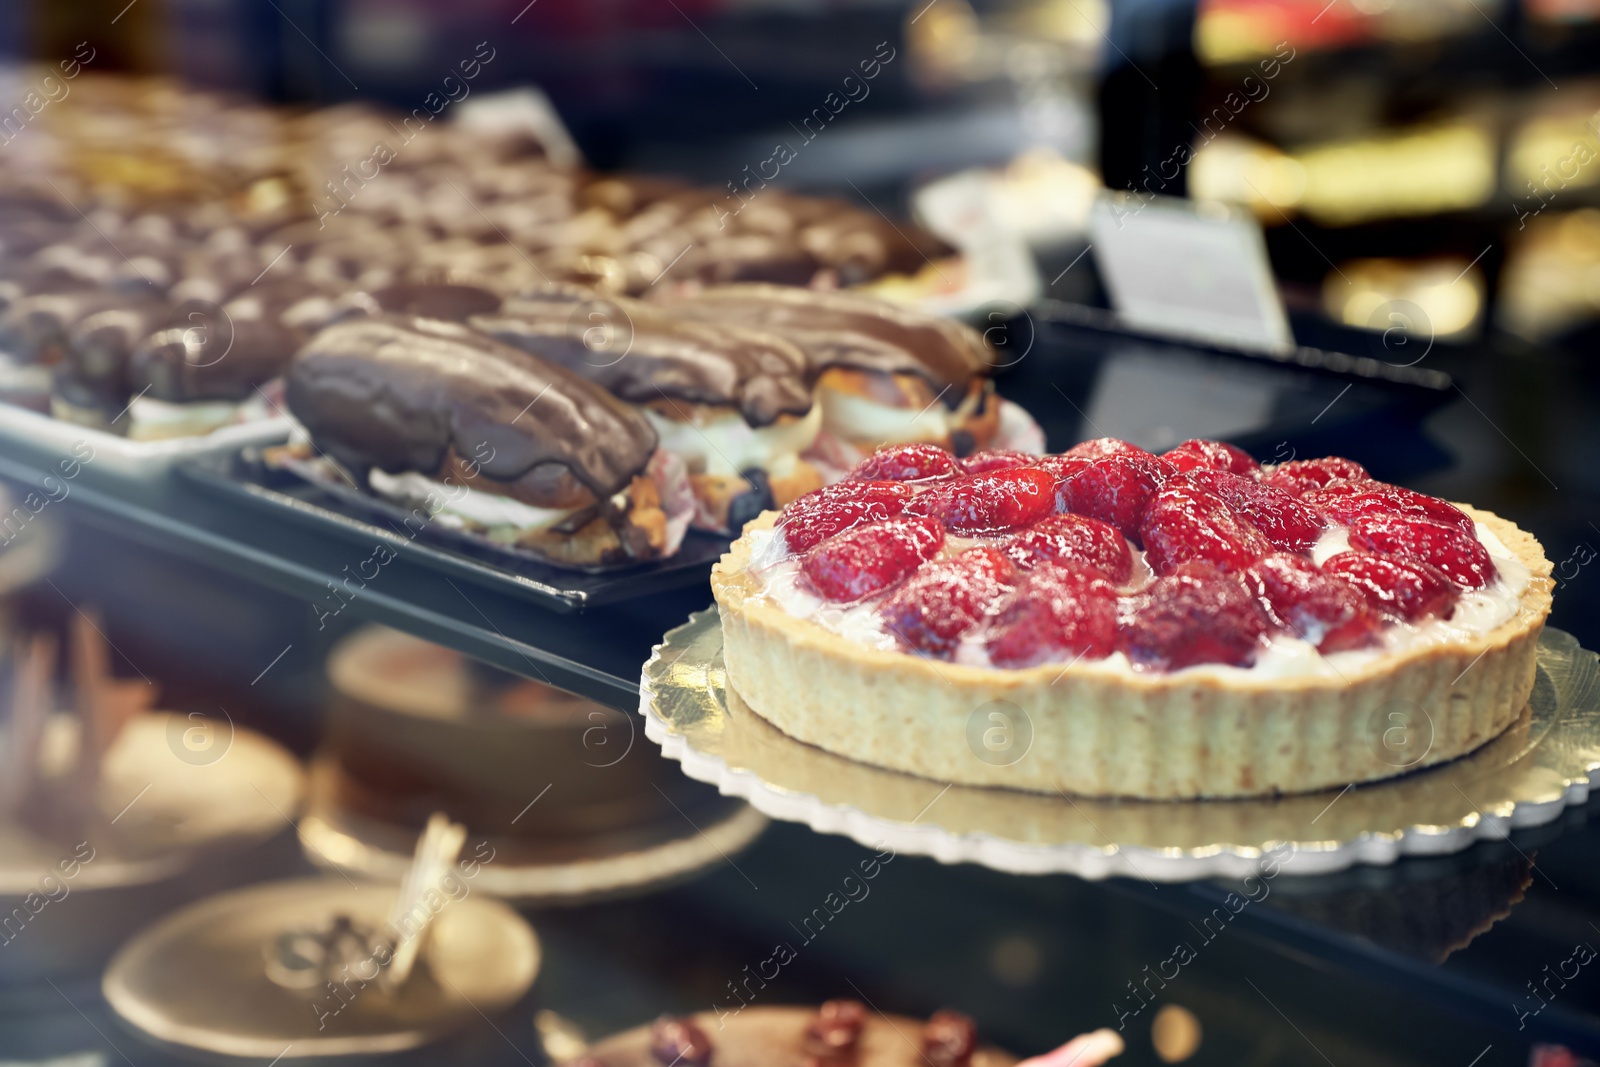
1544	762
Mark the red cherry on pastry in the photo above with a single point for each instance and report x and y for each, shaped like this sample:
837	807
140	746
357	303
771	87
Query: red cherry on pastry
824	512
1315	607
1075	540
1116	489
906	463
997	459
868	559
986	503
1185	522
1462	558
1056	613
1288	524
946	598
1100	447
1211	455
1401	588
1197	614
1298	475
1352	500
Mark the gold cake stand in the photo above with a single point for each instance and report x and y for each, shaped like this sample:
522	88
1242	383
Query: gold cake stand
1528	775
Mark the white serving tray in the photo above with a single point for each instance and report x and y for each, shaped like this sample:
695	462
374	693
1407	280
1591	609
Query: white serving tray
133	459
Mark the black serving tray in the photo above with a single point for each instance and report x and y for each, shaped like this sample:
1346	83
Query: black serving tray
355	516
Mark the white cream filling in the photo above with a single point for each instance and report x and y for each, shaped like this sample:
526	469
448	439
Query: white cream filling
152	420
726	444
457	505
1477	612
858	418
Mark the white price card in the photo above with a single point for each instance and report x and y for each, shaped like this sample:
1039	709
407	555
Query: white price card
1193	270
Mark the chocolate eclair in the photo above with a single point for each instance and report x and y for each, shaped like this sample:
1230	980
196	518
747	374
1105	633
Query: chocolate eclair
735	403
485	437
885	373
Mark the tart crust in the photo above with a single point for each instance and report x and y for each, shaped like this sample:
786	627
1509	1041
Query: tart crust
1182	735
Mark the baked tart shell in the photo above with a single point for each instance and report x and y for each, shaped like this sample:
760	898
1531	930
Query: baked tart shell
1187	734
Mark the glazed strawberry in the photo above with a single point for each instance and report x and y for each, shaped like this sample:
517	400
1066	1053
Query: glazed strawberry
1211	455
824	512
946	598
1197	614
905	463
1075	540
868	559
1100	447
1352	500
1056	613
987	503
1402	588
997	459
1288	524
1184	522
1298	475
1462	558
1115	489
1314	606
1063	467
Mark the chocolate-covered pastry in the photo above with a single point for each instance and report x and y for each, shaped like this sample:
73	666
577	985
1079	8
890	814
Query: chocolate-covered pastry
99	346
838	329
885	373
733	402
643	355
35	328
455	303
226	361
419	406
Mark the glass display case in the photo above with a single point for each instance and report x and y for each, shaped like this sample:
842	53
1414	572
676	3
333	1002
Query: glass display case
258	716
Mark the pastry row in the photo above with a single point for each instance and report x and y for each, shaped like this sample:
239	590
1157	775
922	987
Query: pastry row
592	431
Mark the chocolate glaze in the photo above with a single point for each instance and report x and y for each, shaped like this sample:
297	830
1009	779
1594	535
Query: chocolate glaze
182	364
642	354
98	347
408	394
837	329
33	329
455	303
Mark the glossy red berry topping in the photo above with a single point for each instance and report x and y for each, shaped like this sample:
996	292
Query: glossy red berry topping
1116	489
1056	613
1399	588
906	463
945	599
832	509
1210	455
987	503
1353	500
1288	524
1462	559
1063	467
1314	606
1076	540
1185	522
1298	475
1197	614
870	558
997	459
1100	447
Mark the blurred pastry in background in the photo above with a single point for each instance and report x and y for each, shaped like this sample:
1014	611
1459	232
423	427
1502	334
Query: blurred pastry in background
557	789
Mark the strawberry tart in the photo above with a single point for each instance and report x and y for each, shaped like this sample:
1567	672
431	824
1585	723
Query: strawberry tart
1191	624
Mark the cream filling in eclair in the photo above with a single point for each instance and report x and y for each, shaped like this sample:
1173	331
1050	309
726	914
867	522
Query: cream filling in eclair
458	505
854	417
724	443
158	420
